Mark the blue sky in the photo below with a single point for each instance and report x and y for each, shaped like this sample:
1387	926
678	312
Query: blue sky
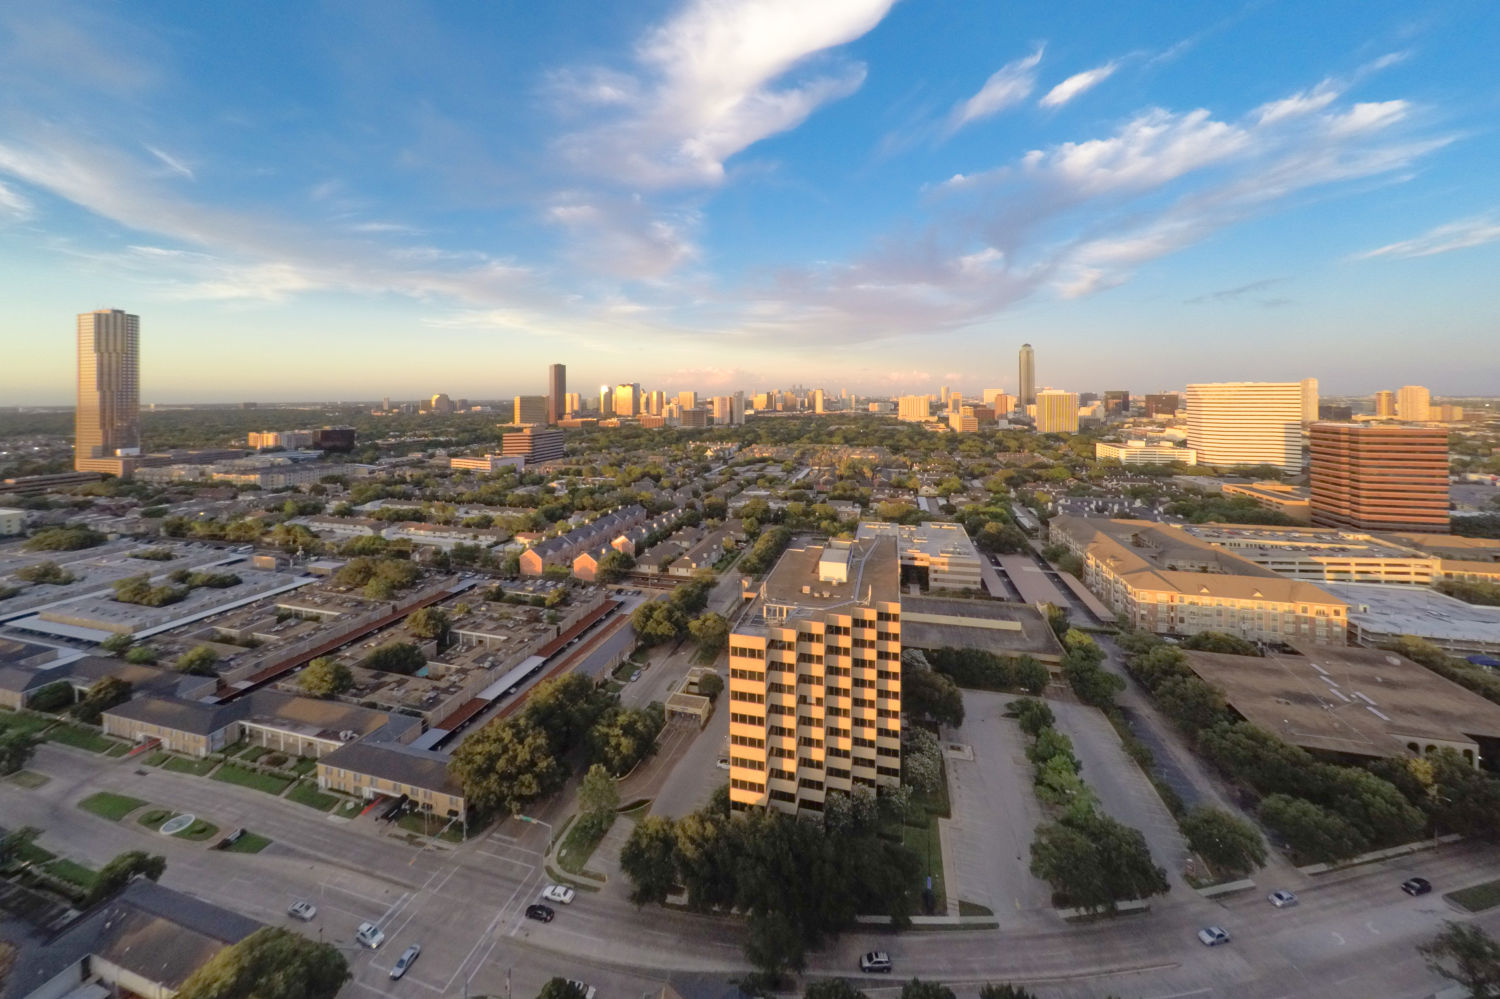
351	200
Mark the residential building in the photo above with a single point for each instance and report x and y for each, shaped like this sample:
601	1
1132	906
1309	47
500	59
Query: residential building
695	418
1379	477
723	410
393	770
334	439
1282	497
1139	452
936	554
687	399
1026	388
1162	404
1246	423
531	409
290	440
488	463
574	404
1446	414
817	402
914	408
557	393
1309	400
815	677
1056	412
1117	403
535	444
964	421
107	424
1161	578
1385	404
1000	401
564	548
1413	404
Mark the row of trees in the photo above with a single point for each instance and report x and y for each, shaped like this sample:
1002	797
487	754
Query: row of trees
797	884
767	548
668	618
138	589
508	764
379	578
977	669
1091	861
67	538
1323	811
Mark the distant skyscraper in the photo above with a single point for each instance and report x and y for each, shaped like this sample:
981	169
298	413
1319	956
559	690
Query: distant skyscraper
1385	403
817	402
1413	403
108	420
687	399
915	408
1379	476
1117	403
1028	375
628	399
1246	423
531	409
1309	400
573	405
1056	412
385	404
1162	404
557	392
606	400
441	403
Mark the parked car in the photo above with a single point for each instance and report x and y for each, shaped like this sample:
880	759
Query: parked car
558	893
539	912
876	960
408	956
1282	899
584	989
1212	936
369	935
1416	886
303	910
635	676
722	763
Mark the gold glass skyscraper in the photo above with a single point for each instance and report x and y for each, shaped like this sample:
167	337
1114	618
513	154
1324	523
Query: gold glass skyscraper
108	421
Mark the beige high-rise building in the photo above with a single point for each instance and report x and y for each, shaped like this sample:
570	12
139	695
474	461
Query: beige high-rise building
1385	403
1309	400
1056	412
1414	404
531	409
818	401
723	410
815	677
108	420
627	399
914	408
1246	423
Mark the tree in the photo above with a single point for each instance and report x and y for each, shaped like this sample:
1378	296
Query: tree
53	697
928	696
1093	684
1031	675
102	696
649	859
832	988
598	797
918	989
711	685
1218	641
622	737
560	988
395	657
1229	844
118	872
1315	833
613	567
16	748
431	623
1091	861
1465	953
141	655
922	761
13	844
117	645
506	766
1006	992
199	661
711	631
324	677
271	963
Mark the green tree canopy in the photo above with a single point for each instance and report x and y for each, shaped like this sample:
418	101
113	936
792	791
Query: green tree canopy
324	677
832	988
117	873
271	963
1231	845
198	661
103	695
506	766
929	696
560	988
1465	953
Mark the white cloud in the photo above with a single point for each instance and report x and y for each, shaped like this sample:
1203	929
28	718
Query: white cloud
1077	84
623	237
1460	235
1007	86
705	87
172	163
13	205
1303	102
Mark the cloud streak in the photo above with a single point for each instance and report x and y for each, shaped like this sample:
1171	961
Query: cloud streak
1076	85
1007	87
1463	234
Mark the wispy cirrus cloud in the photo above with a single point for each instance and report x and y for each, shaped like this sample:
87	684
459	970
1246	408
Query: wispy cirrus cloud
1077	84
709	83
171	162
13	205
1007	87
1460	235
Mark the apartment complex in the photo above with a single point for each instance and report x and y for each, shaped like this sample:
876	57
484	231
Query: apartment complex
1413	404
939	554
1162	579
914	408
1139	452
1246	423
815	677
1385	404
1056	412
107	424
534	444
1379	477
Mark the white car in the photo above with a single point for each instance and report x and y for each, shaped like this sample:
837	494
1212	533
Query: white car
1282	899
405	960
369	935
302	910
1212	936
558	893
584	989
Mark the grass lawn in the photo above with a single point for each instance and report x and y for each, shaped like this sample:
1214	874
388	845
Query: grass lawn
198	831
924	842
307	793
973	909
157	758
83	738
72	872
110	806
349	808
231	774
303	766
29	779
15	721
1476	898
118	749
248	843
152	818
30	853
432	825
187	765
253	753
577	847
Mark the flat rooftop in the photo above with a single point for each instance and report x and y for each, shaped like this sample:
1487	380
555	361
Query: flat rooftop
1361	702
928	539
1408	610
1007	629
814	577
1294	543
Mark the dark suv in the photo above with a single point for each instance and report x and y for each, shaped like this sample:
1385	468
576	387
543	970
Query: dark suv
1416	886
542	913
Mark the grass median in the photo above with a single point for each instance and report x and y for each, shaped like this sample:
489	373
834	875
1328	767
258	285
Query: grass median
108	805
83	738
229	773
307	793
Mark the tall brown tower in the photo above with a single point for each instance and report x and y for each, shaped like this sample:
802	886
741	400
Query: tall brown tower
108	421
1379	477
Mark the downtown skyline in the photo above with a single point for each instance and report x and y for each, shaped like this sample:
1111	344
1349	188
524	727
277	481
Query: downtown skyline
882	197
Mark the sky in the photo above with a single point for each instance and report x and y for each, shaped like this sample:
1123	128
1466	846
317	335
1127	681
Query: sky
349	200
